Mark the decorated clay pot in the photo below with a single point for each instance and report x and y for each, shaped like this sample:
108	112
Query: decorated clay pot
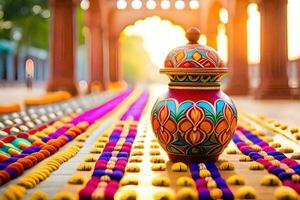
194	121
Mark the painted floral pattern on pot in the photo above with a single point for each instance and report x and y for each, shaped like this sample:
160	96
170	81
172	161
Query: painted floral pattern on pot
194	120
194	128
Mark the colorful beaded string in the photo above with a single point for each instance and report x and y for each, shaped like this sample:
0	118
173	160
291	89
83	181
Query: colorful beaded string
212	180
92	115
284	171
15	165
46	167
110	167
14	144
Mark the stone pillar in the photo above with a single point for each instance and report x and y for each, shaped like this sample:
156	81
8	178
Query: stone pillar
105	58
212	39
115	71
238	81
115	74
273	67
62	47
92	20
105	39
213	21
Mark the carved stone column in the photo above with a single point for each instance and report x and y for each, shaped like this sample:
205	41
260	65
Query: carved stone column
273	67
62	47
92	19
115	71
115	74
238	82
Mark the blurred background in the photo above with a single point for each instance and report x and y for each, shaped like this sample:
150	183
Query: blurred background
142	33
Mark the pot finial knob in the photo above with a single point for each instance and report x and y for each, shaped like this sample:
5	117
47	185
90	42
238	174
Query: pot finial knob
193	35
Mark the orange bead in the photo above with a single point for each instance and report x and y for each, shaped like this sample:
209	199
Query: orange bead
3	157
76	130
2	143
39	156
62	139
27	163
45	153
33	159
52	149
55	143
83	125
4	177
71	133
38	143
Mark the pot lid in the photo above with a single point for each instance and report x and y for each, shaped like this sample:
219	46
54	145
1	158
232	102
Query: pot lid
193	55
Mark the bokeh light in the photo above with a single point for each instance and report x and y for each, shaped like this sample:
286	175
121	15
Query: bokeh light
223	14
16	34
194	4
165	4
83	86
121	4
151	4
222	42
85	4
36	9
46	13
136	4
179	4
203	39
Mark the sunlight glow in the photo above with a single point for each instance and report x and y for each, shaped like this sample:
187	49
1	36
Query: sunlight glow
165	4
151	4
136	4
203	39
253	34
121	4
293	29
179	4
159	37
223	14
194	4
222	42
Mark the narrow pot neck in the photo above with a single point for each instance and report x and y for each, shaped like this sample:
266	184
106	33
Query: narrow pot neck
195	86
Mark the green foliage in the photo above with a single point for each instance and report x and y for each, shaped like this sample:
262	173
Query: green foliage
80	25
135	60
32	22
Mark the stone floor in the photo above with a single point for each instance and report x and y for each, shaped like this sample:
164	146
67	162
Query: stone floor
17	93
283	110
287	111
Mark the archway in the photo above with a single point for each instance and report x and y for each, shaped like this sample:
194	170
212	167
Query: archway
154	37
